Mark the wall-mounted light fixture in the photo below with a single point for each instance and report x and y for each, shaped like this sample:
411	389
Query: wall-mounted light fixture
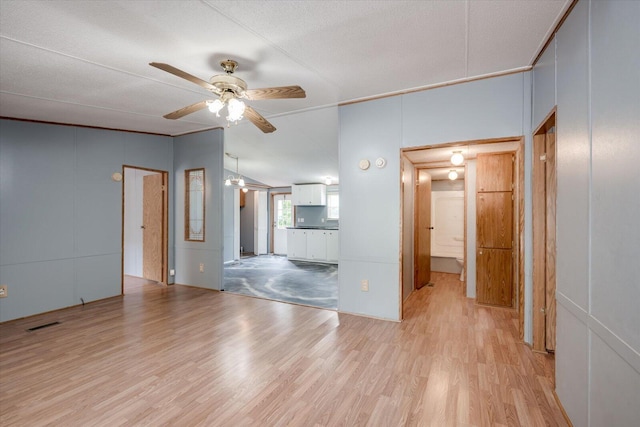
328	181
453	175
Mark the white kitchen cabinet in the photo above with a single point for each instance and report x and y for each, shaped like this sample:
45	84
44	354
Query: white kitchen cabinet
296	244
313	245
309	194
333	245
317	245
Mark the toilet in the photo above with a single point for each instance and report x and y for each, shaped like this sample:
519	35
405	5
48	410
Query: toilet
461	263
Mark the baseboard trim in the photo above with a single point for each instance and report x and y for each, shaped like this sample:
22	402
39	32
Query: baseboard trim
369	317
564	413
55	310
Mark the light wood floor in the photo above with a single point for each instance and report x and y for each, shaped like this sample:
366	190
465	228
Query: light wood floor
184	356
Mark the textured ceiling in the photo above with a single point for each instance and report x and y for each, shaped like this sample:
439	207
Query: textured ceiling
86	63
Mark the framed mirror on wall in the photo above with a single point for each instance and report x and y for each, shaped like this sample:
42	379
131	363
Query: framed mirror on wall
194	205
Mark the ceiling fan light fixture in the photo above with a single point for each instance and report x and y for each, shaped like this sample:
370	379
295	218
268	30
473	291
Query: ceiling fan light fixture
227	182
215	106
453	175
241	182
236	110
457	158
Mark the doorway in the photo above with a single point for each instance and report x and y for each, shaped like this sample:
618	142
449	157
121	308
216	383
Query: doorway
544	235
439	156
144	226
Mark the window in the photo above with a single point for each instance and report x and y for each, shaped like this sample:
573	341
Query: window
333	206
283	214
194	205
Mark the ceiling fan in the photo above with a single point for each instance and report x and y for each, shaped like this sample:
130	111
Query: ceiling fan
231	90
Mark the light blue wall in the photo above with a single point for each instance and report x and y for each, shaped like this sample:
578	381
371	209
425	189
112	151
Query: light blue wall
369	208
197	150
61	213
598	123
228	215
477	110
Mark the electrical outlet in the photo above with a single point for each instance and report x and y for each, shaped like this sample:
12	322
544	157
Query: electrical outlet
172	272
364	285
201	268
3	291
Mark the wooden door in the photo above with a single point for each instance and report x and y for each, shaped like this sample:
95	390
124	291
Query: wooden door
544	237
494	222
152	236
422	261
550	231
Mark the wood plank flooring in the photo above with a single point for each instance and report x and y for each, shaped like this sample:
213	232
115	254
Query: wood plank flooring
184	356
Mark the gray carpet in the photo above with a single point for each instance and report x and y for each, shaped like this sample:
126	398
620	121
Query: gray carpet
277	278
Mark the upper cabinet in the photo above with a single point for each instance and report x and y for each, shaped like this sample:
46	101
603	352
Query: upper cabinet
309	194
494	172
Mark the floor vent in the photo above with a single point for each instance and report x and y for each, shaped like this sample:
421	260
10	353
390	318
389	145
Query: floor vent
35	328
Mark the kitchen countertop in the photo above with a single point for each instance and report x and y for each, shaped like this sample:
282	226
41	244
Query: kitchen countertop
312	227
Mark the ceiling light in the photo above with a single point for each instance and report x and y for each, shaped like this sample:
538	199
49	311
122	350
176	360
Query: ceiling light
457	158
245	189
236	110
215	106
453	175
233	180
328	180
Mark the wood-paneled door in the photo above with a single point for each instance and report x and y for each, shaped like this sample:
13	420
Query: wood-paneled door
152	196
494	225
544	236
422	221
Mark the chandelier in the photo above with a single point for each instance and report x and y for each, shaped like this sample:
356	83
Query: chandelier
236	181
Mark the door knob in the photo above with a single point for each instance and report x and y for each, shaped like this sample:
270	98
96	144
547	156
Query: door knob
142	226
430	228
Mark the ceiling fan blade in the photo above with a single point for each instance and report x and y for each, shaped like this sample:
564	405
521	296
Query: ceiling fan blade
281	92
182	74
257	119
186	110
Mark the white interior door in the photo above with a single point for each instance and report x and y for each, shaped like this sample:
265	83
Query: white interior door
282	218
